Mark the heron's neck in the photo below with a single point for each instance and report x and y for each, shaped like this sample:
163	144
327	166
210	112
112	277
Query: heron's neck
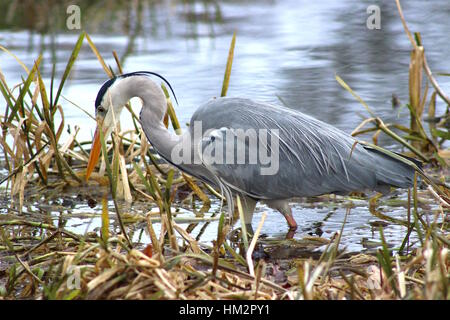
160	137
177	149
154	107
153	99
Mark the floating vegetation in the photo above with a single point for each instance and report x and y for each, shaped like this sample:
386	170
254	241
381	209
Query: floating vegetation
41	258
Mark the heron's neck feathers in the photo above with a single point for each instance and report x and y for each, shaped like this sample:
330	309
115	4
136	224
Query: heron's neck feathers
154	107
153	99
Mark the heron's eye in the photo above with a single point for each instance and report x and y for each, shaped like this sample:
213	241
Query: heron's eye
100	109
213	138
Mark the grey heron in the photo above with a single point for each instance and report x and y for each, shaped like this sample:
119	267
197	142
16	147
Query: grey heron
313	157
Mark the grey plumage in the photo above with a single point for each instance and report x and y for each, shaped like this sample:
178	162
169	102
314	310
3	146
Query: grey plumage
314	157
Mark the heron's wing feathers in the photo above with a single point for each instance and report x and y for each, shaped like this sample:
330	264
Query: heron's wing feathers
296	155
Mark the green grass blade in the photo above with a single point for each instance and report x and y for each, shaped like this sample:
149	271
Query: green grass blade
105	221
384	258
148	186
347	87
99	57
171	111
168	186
105	156
235	255
69	66
243	226
226	77
26	86
111	185
5	94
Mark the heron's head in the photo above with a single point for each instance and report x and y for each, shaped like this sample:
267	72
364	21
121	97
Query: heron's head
108	105
111	99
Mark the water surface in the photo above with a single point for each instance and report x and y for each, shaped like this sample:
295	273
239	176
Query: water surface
285	49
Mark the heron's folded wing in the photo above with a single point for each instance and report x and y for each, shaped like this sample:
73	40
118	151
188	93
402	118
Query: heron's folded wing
306	156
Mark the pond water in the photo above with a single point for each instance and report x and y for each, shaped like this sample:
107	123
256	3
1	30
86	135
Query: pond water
289	50
79	211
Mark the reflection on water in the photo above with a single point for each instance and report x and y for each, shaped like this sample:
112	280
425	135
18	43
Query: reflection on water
77	211
288	49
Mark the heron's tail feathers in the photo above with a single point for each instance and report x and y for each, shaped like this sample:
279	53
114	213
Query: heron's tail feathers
393	171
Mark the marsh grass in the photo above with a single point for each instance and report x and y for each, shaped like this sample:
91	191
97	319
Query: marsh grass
415	138
42	260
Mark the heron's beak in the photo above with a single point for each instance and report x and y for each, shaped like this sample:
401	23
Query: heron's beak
96	147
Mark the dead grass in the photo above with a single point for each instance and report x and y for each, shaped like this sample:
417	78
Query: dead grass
41	260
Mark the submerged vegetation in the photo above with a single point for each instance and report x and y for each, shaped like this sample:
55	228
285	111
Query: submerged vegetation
40	258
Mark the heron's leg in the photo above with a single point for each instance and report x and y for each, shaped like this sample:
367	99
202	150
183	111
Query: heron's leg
248	207
285	210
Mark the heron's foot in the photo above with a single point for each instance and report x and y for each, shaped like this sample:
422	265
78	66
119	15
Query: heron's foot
291	233
285	210
290	221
